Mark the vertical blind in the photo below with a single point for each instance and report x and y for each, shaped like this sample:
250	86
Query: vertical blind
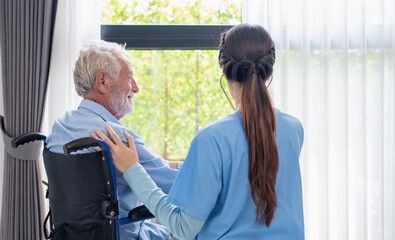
335	71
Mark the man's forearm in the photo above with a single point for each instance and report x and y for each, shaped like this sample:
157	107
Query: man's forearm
175	164
172	164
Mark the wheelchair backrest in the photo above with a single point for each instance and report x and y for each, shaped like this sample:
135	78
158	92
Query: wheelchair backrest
78	185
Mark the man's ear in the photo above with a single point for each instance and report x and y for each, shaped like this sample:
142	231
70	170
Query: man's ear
102	81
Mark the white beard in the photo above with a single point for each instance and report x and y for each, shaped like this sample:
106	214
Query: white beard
119	105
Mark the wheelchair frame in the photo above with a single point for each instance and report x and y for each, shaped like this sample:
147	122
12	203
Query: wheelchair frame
137	214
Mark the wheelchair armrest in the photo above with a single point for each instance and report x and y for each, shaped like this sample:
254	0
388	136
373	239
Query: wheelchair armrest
140	212
25	138
80	144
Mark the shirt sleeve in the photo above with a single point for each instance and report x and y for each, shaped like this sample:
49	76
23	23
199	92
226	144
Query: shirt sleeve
179	165
199	182
179	222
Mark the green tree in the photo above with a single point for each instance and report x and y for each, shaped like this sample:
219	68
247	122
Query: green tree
180	92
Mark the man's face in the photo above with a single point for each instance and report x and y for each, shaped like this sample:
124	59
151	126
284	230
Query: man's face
121	102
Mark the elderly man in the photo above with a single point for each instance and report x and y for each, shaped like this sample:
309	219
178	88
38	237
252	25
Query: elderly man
103	76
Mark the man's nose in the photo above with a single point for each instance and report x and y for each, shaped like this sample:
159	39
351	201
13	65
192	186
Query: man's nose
135	88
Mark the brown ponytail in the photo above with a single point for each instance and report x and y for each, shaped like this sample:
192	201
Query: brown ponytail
247	56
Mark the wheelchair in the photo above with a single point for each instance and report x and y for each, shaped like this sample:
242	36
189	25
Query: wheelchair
82	192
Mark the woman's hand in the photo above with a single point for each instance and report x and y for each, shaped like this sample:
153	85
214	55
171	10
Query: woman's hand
123	157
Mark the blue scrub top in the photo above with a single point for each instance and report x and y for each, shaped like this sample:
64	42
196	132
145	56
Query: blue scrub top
213	183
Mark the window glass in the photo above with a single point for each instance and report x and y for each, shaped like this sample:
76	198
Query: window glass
179	89
179	94
171	12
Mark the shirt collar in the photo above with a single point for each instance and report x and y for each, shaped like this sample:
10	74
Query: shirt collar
98	110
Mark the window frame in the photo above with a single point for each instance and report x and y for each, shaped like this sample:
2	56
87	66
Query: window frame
164	37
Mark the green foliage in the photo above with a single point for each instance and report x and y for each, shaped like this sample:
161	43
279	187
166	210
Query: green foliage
179	89
164	12
115	13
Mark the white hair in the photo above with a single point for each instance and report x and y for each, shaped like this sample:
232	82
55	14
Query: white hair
95	56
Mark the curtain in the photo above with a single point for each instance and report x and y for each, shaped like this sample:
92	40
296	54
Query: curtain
1	139
26	28
77	22
335	71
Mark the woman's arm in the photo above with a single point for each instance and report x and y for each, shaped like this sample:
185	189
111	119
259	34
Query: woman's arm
181	224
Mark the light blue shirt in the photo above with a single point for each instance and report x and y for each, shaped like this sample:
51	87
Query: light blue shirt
211	196
81	123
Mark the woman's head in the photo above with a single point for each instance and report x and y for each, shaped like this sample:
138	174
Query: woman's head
247	55
245	50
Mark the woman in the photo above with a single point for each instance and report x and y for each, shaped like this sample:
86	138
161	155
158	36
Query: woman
241	177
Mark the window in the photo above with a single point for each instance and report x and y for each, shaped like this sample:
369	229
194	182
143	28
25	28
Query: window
172	46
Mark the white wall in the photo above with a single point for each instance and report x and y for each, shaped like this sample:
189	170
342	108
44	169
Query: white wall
1	138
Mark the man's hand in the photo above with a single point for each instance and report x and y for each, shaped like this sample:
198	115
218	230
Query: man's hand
123	157
173	164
